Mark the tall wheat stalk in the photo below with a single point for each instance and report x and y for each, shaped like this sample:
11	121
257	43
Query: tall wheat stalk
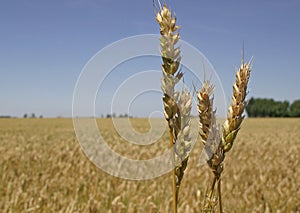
177	106
217	140
217	143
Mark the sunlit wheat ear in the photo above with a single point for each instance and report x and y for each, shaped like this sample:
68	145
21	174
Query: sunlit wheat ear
234	117
170	68
205	108
171	60
169	38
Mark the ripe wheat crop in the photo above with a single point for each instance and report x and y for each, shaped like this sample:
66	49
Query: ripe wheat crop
42	169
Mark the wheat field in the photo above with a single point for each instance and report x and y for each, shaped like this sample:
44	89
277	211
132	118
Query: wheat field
43	169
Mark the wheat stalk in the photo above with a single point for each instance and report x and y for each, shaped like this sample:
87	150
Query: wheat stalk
177	112
217	144
171	60
209	133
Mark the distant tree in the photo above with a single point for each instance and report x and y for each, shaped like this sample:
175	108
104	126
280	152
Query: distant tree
32	115
123	115
41	116
108	116
282	109
249	108
5	116
267	108
295	109
25	115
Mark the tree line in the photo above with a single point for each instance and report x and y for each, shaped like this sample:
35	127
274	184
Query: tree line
31	116
263	107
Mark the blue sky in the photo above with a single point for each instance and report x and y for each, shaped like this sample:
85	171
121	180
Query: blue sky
44	45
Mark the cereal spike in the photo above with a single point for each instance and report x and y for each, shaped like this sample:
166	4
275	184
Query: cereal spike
205	108
234	117
183	144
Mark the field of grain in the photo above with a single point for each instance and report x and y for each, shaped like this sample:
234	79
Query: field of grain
43	169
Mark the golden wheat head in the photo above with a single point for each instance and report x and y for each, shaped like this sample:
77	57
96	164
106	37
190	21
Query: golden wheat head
205	108
235	112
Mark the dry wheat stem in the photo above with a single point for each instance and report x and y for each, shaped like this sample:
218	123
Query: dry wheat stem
219	195
175	196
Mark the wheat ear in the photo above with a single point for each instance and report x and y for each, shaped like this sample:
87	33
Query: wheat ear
234	117
183	144
171	61
205	103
